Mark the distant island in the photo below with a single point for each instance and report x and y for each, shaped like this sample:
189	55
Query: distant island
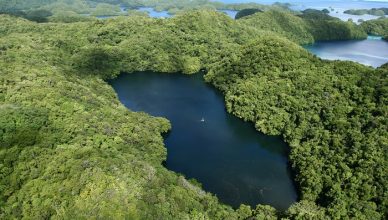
80	11
247	12
373	11
376	26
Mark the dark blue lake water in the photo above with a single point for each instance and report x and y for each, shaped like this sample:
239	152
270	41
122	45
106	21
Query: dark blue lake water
372	51
226	155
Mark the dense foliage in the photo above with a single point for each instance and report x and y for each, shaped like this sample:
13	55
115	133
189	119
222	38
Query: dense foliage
84	8
324	27
333	115
184	5
247	12
376	26
312	25
62	10
372	11
283	23
70	150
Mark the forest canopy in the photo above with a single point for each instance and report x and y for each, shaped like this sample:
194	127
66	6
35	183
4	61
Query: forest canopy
117	7
306	28
247	12
376	26
372	11
69	148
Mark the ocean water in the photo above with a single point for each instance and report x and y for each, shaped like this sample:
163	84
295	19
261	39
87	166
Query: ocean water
371	52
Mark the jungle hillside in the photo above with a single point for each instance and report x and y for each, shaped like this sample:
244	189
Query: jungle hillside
70	150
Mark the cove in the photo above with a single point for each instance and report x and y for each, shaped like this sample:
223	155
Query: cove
372	51
225	154
153	13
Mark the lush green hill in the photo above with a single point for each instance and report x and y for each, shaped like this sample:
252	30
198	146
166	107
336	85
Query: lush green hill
247	12
324	27
283	23
70	150
333	115
376	26
42	10
312	25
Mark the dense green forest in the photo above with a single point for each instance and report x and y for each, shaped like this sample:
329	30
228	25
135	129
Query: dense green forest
333	115
283	23
305	28
372	11
78	10
69	149
324	27
376	26
246	12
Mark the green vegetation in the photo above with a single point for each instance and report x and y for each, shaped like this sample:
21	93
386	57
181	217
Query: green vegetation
70	150
58	8
376	26
283	23
103	9
324	27
373	11
185	5
311	25
247	12
326	11
69	17
333	115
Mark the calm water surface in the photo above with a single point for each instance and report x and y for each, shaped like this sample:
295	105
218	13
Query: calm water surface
372	51
226	155
155	14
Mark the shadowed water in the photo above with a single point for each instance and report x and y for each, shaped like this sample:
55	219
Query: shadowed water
226	155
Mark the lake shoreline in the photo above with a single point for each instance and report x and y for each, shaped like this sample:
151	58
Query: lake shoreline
213	117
